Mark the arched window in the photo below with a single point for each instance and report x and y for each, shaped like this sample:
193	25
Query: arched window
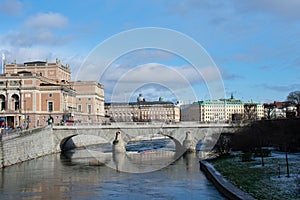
16	101
2	102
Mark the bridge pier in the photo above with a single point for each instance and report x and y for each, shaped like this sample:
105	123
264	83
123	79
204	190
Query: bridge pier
118	144
189	144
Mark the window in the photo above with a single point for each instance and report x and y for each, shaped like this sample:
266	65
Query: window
15	100
50	95
79	108
14	83
89	109
2	105
17	106
50	106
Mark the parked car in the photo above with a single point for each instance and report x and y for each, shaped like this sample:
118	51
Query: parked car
71	122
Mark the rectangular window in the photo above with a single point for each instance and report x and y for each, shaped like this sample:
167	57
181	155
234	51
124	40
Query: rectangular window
79	108
16	105
50	106
89	109
13	83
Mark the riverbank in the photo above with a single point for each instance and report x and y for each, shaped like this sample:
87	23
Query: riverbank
263	182
223	185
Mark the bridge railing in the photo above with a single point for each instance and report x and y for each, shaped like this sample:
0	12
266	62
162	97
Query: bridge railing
138	123
13	133
150	124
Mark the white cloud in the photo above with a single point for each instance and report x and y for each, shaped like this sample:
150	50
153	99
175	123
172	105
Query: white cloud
282	88
21	54
37	34
47	21
223	9
152	72
157	80
151	92
284	9
11	7
39	38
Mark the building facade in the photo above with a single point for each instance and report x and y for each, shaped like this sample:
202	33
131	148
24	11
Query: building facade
143	111
224	110
89	101
219	110
281	110
31	92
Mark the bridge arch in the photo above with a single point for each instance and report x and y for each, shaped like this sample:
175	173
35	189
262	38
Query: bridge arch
79	140
63	142
178	145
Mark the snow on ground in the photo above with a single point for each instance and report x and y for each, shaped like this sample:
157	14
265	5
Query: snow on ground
284	178
267	184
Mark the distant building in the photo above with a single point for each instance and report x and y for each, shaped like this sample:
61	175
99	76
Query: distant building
143	111
280	110
190	112
32	91
253	111
221	110
89	101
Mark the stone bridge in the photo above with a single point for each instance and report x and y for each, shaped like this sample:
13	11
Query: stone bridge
183	134
34	143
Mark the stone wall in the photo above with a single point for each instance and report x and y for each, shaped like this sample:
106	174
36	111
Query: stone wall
27	145
223	185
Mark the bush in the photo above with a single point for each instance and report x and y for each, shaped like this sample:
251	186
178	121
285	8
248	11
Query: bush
246	157
262	152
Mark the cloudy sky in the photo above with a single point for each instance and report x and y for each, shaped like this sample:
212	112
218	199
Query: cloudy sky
254	46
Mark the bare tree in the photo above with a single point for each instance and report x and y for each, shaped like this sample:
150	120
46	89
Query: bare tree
294	97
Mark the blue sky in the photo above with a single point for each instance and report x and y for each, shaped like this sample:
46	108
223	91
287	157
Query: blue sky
254	44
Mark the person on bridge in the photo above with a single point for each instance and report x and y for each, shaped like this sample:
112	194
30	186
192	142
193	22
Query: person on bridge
50	120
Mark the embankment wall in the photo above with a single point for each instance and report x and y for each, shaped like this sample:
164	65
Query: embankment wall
19	147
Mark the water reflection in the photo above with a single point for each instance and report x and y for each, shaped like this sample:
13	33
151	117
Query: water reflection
139	157
71	176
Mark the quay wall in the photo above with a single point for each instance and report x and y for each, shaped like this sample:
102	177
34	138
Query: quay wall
223	185
18	147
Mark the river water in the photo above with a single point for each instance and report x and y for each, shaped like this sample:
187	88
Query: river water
72	176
